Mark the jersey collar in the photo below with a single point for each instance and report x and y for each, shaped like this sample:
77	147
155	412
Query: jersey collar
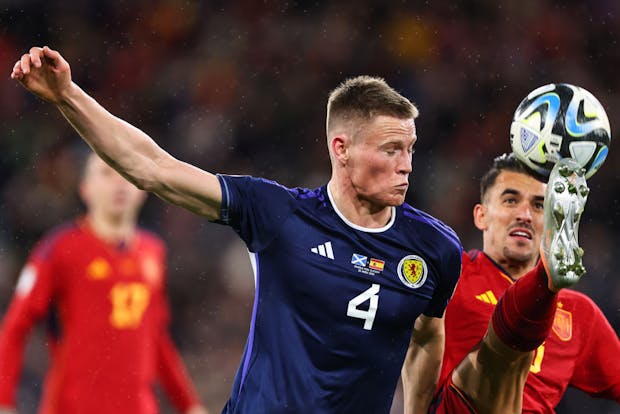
361	228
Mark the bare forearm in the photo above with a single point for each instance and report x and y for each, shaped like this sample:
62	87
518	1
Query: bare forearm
45	73
138	158
420	378
129	150
422	365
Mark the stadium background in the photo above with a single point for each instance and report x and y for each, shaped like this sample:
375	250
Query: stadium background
240	87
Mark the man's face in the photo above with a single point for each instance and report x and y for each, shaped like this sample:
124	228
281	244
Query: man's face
511	218
106	192
380	160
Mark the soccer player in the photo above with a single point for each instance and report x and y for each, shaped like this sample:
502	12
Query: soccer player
100	281
580	348
346	275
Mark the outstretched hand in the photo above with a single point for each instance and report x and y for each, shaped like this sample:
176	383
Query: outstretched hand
44	72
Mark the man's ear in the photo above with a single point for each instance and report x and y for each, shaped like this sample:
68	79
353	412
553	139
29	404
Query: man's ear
480	216
339	145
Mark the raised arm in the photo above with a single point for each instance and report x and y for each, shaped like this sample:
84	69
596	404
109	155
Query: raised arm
131	152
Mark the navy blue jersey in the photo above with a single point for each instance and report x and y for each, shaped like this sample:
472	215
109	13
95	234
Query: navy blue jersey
335	303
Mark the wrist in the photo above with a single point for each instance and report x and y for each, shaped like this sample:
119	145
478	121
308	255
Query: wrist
69	94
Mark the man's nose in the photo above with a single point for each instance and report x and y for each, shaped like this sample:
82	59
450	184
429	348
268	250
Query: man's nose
405	163
525	213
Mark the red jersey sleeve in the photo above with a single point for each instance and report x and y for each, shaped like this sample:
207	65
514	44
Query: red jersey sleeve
174	377
31	300
171	372
170	369
597	371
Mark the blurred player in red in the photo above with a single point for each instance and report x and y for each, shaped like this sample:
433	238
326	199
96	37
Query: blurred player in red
536	339
101	282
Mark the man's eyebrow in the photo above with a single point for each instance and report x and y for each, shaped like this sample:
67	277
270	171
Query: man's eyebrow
510	191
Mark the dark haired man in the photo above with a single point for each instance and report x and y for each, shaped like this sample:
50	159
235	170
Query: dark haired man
486	364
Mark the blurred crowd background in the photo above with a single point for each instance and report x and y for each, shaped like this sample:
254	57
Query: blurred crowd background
240	87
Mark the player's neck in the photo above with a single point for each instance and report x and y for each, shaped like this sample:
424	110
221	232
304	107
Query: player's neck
515	269
355	210
113	230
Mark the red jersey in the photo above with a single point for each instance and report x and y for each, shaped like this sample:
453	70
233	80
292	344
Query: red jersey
109	340
581	350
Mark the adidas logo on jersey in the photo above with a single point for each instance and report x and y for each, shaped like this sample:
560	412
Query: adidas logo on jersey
487	297
324	250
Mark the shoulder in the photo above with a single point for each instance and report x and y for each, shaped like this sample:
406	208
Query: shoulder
247	188
244	192
149	238
476	261
64	230
251	182
62	234
471	256
586	317
470	261
428	226
480	273
579	301
434	240
583	310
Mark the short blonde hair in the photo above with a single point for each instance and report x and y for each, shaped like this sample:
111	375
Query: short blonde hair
363	98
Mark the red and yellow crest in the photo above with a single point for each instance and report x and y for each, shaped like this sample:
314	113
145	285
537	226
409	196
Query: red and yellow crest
412	271
563	324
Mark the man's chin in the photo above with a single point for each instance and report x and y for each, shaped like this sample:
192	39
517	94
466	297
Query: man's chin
390	201
395	202
521	257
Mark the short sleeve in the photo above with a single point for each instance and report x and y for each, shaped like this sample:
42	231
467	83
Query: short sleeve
255	208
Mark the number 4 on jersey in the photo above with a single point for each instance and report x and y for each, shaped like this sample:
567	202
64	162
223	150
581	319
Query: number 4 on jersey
371	294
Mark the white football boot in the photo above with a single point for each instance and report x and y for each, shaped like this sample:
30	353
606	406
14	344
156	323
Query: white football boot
565	198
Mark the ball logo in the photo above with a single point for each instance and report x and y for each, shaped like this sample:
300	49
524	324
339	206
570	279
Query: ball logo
528	139
412	271
543	110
